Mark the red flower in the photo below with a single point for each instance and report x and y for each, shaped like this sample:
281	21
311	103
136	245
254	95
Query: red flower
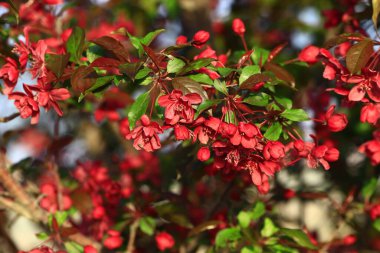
38	69
200	38
47	97
114	240
203	154
274	150
206	129
178	107
9	73
164	241
89	249
246	135
370	113
181	132
309	54
52	2
374	212
145	136
366	83
335	121
372	150
26	104
238	26
322	154
349	239
181	40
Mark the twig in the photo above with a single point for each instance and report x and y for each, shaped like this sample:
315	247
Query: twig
9	118
132	236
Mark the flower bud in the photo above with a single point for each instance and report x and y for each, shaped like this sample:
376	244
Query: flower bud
203	154
200	38
309	54
238	26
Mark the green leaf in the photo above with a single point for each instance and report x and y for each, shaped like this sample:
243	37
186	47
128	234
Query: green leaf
147	225
225	71
187	85
173	212
142	73
260	56
269	228
376	224
42	236
274	131
358	55
299	237
197	64
57	63
281	73
258	210
201	78
295	114
100	83
260	99
73	247
285	102
247	72
206	105
151	36
278	248
75	44
61	217
221	86
230	117
138	109
175	65
251	249
223	237
369	188
244	219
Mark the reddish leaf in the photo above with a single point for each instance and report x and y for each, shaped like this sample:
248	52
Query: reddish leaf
343	38
157	59
68	231
358	55
105	62
276	51
57	63
208	225
244	58
187	85
83	78
253	80
280	73
114	47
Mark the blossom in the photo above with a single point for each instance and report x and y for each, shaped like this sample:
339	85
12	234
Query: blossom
181	40
178	107
114	240
335	121
38	68
26	104
9	73
145	136
309	54
203	154
372	150
246	135
322	155
366	83
164	241
200	38
274	150
370	113
238	26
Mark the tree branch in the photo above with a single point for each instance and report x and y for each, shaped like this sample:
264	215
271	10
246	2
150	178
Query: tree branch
9	118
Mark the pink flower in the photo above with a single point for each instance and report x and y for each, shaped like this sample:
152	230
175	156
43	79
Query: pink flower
200	38
246	135
203	154
114	240
336	122
26	104
164	241
370	113
309	54
38	69
238	26
9	73
274	150
178	107
145	136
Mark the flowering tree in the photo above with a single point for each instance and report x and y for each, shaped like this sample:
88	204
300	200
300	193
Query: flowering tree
135	144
